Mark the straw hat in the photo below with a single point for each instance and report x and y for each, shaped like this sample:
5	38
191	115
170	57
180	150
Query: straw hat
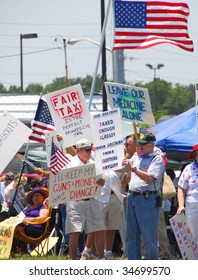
43	191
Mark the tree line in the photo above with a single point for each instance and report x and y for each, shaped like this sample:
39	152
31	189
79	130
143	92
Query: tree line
169	99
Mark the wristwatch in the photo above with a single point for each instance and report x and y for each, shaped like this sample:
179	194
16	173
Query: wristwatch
133	169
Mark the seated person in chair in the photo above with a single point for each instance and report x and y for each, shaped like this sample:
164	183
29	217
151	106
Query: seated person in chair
34	211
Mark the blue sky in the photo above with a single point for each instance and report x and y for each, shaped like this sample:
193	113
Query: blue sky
43	58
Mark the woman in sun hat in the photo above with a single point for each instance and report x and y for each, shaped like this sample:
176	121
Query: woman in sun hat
188	193
34	211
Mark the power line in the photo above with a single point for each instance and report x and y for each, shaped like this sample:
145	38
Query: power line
48	24
33	52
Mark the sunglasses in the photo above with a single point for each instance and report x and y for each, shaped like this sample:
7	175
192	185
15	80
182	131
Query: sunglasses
143	144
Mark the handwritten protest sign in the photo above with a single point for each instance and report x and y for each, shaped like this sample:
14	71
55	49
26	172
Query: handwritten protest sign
13	134
107	139
7	228
184	238
70	114
134	102
74	183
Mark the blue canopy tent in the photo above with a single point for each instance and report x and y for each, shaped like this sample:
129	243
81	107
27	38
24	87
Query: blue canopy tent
177	135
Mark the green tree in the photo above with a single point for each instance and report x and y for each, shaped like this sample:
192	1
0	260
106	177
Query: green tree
180	99
34	89
57	84
171	100
14	89
2	88
85	83
163	89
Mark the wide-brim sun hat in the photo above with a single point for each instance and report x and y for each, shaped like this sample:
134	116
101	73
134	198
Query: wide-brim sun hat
29	196
194	149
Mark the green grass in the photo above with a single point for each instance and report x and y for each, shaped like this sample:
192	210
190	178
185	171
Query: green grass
28	257
48	257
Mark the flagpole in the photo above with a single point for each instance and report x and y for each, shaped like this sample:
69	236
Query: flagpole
19	182
99	53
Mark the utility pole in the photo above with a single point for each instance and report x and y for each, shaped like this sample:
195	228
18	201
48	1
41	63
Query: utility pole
66	65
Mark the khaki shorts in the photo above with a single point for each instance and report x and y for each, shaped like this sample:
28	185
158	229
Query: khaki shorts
84	215
113	214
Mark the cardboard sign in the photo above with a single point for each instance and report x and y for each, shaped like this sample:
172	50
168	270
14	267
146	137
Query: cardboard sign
134	102
70	114
7	228
184	238
107	139
73	183
13	134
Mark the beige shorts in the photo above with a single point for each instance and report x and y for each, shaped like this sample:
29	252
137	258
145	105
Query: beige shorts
84	215
113	214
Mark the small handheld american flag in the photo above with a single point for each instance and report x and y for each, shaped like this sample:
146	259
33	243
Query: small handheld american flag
58	159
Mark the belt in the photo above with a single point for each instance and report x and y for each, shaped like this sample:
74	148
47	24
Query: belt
141	193
86	199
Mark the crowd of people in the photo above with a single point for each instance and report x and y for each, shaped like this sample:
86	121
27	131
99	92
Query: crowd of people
130	203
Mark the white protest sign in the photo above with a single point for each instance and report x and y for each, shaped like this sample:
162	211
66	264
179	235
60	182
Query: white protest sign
48	143
70	114
73	183
13	134
134	102
184	237
107	140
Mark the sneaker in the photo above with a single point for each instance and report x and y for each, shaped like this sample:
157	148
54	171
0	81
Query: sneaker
110	256
85	256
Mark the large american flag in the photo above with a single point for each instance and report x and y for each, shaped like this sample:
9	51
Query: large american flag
58	160
42	122
141	25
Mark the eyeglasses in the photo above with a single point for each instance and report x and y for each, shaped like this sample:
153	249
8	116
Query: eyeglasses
89	150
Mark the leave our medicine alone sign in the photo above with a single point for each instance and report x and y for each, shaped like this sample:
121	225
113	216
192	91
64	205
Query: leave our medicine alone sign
134	103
